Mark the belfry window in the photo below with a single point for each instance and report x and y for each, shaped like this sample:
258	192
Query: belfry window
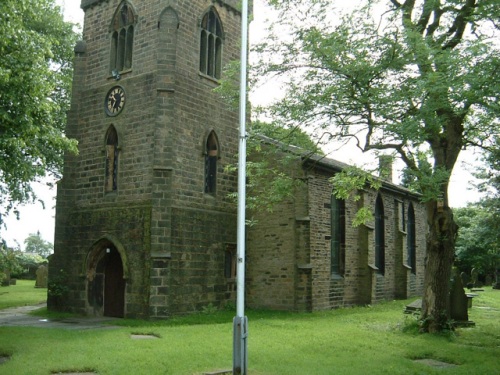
122	38
338	236
211	157
211	45
379	235
111	180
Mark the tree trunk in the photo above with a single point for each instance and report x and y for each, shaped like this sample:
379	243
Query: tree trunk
438	264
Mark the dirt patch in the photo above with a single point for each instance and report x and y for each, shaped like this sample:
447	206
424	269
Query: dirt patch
435	363
143	337
4	358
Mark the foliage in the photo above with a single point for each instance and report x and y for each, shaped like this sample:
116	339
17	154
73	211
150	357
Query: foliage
478	242
8	262
403	83
415	79
27	262
35	244
58	285
36	46
273	153
285	136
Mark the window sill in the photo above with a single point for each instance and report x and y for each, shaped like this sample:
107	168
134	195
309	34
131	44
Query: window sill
214	81
373	267
121	73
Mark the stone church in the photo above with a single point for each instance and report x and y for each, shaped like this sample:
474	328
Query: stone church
145	227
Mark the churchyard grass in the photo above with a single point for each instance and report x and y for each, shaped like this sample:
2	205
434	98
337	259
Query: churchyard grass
23	293
377	339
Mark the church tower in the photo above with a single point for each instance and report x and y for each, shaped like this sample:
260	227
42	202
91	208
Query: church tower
144	226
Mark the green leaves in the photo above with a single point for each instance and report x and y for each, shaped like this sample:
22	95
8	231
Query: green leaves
35	244
414	81
36	46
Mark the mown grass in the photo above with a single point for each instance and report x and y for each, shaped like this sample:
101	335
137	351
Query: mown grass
364	340
23	293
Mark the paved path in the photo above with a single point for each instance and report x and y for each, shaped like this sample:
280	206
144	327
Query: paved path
20	317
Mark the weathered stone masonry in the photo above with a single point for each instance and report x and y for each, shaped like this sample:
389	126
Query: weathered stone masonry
290	257
171	236
144	225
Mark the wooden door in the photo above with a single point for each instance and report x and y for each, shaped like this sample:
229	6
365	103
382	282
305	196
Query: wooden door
114	285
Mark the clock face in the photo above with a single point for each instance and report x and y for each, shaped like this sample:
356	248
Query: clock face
115	100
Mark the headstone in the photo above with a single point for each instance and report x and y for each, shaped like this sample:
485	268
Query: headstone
458	300
473	276
41	276
496	285
488	280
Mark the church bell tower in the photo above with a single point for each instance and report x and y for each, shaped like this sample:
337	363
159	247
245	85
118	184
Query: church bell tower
144	225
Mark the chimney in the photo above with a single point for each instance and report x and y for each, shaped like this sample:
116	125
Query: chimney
385	167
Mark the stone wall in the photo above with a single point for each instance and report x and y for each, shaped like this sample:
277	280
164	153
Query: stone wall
293	257
170	109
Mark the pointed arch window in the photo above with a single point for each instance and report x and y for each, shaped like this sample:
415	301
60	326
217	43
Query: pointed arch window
211	157
379	235
338	244
411	240
122	38
211	45
111	180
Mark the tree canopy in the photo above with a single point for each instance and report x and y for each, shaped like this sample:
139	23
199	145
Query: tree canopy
36	46
478	242
417	79
35	244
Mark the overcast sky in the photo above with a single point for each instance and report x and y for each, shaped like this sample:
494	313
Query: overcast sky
34	218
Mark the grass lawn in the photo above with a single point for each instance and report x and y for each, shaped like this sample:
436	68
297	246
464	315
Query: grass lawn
364	340
23	293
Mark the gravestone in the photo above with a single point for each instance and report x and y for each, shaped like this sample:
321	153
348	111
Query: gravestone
496	284
488	280
41	276
458	300
473	277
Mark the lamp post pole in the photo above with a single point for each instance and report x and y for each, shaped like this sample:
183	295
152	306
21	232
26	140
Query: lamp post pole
240	322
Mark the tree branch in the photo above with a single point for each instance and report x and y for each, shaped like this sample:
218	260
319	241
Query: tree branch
456	30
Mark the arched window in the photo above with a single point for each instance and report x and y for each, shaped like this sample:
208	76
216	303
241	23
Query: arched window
211	45
211	156
411	241
122	38
338	236
379	235
111	181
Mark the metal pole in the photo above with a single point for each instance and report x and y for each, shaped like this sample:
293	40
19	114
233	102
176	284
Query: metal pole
240	322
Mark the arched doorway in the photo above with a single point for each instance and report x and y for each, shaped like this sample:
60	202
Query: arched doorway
106	280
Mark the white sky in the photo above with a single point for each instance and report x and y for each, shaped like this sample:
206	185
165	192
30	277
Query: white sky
34	218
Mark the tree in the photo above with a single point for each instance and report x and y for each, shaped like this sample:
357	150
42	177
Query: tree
36	46
420	82
273	149
8	263
478	241
35	244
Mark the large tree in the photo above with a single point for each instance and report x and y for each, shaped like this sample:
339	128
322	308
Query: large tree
415	78
478	241
35	244
36	49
